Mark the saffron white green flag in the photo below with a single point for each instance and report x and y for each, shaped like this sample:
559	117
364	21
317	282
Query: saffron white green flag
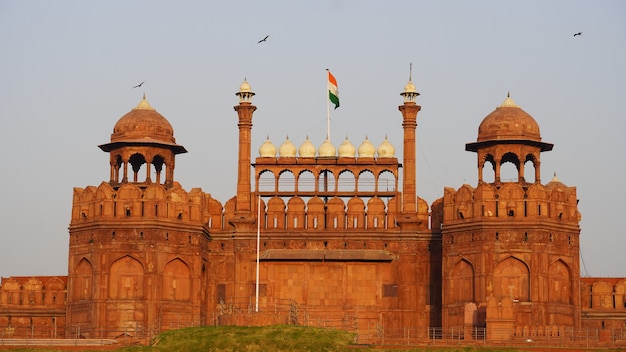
333	91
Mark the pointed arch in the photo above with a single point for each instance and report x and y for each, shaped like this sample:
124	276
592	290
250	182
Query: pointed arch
511	278
126	279
346	182
559	279
530	168
326	181
158	161
366	181
83	281
487	169
266	181
509	167
461	282
177	281
306	181
386	181
286	181
136	161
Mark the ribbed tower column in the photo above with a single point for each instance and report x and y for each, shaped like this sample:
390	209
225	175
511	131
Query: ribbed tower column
245	109
409	123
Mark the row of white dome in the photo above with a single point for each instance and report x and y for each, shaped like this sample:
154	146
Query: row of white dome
327	149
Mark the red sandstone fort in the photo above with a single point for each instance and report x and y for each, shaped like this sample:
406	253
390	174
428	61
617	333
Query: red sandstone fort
323	237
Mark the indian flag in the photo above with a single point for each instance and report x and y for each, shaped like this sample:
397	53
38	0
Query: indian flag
333	92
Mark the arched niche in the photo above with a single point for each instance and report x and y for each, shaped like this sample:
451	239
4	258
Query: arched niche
512	279
461	282
126	279
559	279
176	281
83	281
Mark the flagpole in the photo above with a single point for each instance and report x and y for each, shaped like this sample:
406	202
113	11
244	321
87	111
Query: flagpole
258	243
327	106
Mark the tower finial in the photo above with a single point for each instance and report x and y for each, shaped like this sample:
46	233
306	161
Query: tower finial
410	71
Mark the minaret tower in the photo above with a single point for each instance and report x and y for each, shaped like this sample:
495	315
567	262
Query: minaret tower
245	109
409	123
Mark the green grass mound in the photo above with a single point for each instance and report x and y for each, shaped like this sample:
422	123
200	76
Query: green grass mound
253	338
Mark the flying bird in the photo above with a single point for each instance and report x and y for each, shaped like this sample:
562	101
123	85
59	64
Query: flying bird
579	33
139	85
264	39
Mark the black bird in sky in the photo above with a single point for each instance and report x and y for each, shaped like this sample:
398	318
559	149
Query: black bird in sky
264	39
139	85
579	33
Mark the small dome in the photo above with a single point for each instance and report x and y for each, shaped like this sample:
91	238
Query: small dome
555	181
366	149
410	88
327	149
287	149
307	149
143	123
347	149
267	149
245	93
386	149
245	87
508	122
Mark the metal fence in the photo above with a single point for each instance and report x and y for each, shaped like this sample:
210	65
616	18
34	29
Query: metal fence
366	331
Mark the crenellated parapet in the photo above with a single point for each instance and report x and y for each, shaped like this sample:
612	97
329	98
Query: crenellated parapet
134	202
33	291
512	201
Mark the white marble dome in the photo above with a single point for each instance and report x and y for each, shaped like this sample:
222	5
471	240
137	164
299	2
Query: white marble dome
307	149
366	149
287	149
386	149
327	149
347	149
267	149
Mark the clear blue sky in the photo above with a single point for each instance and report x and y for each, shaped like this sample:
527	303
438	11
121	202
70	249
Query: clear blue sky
67	68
